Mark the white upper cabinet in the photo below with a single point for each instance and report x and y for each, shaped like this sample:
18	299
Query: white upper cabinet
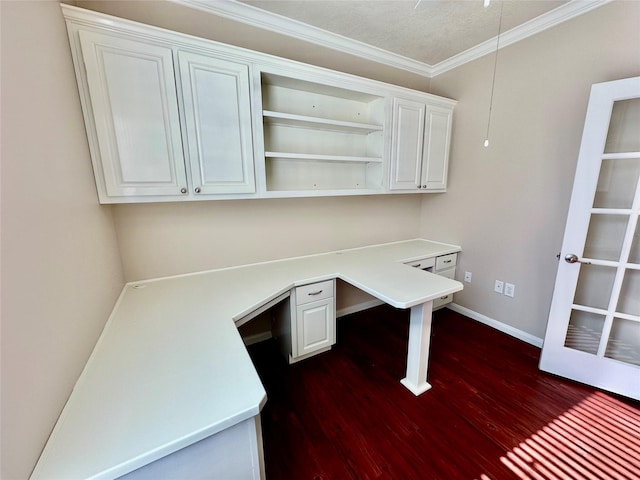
420	145
135	113
217	112
437	140
172	117
408	135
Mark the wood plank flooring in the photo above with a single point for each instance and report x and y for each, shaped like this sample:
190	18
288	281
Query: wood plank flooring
491	414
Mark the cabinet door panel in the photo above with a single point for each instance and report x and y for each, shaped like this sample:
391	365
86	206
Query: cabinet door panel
218	120
436	148
407	144
315	326
134	102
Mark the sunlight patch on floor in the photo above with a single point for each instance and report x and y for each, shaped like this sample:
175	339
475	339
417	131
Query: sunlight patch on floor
597	439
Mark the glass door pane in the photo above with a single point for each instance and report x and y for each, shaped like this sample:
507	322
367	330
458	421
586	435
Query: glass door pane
617	182
584	332
629	301
624	341
624	127
605	236
595	285
634	254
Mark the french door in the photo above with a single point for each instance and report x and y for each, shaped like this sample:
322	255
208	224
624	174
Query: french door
593	332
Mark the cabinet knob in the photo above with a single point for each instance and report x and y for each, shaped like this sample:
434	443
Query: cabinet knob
197	190
419	186
183	190
424	186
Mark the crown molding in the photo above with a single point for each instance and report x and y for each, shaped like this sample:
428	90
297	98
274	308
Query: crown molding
534	26
247	14
253	16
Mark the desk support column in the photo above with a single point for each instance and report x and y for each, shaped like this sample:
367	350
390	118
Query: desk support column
418	352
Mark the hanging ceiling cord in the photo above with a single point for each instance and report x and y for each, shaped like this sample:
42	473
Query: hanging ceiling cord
493	82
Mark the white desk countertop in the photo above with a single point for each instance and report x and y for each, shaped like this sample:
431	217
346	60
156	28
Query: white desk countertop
170	367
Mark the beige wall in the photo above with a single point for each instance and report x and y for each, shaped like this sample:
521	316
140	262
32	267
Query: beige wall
61	271
166	239
507	204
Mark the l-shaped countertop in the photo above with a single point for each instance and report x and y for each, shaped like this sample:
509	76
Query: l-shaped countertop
170	367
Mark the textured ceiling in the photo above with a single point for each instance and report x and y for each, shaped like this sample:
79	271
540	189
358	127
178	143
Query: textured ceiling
429	31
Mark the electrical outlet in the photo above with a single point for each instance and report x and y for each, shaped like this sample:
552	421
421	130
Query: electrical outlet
499	286
467	277
509	289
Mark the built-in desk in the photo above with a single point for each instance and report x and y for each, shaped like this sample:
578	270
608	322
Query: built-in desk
170	369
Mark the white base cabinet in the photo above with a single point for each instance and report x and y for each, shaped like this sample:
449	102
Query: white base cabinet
306	324
235	453
443	265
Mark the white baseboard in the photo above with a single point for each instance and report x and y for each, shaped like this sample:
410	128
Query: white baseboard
503	327
358	307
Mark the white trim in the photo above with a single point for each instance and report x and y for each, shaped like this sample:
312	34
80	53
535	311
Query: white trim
253	16
247	14
503	327
534	26
358	307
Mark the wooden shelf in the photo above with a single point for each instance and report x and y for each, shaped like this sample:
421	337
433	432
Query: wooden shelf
293	120
320	157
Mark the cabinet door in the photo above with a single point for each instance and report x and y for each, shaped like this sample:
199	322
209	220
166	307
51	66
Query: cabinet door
315	324
218	124
135	111
436	148
407	144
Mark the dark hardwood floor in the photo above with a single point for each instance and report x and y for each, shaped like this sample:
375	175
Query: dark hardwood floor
491	414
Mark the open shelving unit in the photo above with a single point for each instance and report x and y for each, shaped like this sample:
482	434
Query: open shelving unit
321	137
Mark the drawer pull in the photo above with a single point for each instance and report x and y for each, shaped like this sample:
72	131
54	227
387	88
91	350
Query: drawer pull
315	293
444	298
447	261
418	265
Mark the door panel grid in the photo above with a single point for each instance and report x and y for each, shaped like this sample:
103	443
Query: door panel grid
593	334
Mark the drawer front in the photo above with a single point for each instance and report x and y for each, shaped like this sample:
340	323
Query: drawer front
314	292
423	263
446	261
440	301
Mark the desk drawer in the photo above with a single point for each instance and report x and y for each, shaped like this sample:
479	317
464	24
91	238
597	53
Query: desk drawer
423	263
313	292
446	261
440	301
